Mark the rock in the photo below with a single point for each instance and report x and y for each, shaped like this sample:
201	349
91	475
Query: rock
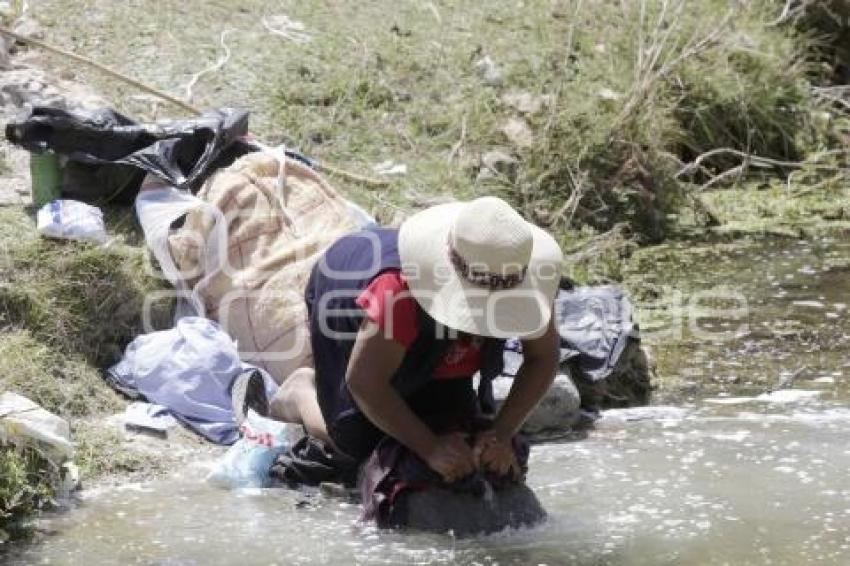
10	197
439	511
527	103
496	163
608	94
15	180
490	74
25	423
629	384
25	87
518	132
390	168
29	27
558	411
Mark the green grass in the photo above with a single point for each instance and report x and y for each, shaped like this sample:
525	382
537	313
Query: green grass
79	299
99	453
62	384
26	481
387	80
804	209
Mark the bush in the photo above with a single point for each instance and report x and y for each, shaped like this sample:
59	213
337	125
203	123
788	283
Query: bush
825	27
681	80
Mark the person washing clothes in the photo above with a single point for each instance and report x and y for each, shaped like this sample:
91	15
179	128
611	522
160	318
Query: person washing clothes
401	320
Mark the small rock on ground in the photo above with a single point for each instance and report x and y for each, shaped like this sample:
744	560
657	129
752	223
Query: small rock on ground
527	103
15	175
558	411
490	74
495	163
518	133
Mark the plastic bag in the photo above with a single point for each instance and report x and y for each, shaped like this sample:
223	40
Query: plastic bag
248	461
71	220
109	154
24	423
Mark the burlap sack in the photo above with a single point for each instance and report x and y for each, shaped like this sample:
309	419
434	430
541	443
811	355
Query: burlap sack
257	294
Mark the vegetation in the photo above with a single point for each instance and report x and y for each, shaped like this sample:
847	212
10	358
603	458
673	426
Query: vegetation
26	484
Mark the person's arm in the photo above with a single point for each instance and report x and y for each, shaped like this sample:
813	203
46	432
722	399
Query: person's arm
532	381
374	360
535	376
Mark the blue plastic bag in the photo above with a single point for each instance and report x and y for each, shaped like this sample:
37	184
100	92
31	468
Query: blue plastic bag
248	461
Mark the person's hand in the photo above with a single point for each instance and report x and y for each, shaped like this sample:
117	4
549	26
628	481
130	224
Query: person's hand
496	454
451	457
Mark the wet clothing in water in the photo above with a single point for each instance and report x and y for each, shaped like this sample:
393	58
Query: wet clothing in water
336	308
393	471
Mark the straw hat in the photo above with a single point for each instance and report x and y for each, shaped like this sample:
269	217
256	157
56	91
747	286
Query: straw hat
480	268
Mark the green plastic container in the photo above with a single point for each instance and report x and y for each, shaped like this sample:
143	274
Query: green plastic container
46	173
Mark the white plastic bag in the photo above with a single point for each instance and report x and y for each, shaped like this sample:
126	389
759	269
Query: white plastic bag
248	461
71	220
24	423
157	207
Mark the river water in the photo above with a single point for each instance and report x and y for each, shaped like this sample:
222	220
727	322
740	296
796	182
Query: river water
730	474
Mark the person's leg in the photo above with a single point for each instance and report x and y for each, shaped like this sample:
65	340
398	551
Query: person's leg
296	402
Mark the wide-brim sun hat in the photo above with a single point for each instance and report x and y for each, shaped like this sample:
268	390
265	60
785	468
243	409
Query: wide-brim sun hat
479	267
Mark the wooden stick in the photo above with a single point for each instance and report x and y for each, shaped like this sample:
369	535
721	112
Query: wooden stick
326	168
103	68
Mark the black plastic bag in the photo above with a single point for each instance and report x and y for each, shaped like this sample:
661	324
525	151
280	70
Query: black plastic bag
110	154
